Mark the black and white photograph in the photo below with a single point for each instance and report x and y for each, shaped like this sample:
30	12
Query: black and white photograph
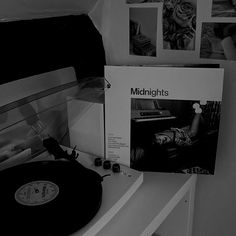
143	31
218	41
179	24
174	135
223	8
142	1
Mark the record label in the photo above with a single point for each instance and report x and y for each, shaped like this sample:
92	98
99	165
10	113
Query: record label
36	193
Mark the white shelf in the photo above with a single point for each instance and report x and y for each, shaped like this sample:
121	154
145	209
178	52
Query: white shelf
148	208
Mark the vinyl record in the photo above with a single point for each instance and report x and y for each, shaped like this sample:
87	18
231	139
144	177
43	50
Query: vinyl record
48	198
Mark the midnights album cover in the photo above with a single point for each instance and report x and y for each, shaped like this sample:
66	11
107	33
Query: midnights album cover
163	119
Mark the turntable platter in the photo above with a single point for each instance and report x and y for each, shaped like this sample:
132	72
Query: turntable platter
41	198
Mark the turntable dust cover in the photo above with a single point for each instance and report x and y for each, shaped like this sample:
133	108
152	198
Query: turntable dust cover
163	119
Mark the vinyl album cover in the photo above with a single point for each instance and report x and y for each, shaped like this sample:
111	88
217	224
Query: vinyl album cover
163	119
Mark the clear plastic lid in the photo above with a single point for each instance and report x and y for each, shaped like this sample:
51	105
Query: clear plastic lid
25	123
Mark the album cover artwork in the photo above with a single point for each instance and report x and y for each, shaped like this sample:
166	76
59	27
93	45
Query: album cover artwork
163	119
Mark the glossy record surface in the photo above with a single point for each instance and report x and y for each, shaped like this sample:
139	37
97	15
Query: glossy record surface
48	198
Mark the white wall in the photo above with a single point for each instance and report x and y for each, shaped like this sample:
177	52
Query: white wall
215	196
215	206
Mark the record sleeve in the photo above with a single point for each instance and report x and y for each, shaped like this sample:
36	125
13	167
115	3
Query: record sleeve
163	118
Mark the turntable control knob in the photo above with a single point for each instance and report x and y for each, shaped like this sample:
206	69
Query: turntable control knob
98	161
107	165
116	168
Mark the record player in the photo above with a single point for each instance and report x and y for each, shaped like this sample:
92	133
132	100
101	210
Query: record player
46	191
48	186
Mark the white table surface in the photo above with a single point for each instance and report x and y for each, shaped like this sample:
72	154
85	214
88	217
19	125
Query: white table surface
150	205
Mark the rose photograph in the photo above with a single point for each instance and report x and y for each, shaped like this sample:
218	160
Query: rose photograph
224	8
218	41
179	24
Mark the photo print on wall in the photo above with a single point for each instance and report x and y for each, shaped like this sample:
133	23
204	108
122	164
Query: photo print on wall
143	31
142	1
223	8
218	41
179	24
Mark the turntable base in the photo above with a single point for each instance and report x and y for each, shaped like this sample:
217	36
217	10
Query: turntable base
117	190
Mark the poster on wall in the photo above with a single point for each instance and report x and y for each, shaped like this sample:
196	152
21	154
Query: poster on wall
223	8
163	119
142	1
218	41
179	24
143	31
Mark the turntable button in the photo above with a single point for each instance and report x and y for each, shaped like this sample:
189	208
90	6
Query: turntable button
98	161
107	165
116	168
